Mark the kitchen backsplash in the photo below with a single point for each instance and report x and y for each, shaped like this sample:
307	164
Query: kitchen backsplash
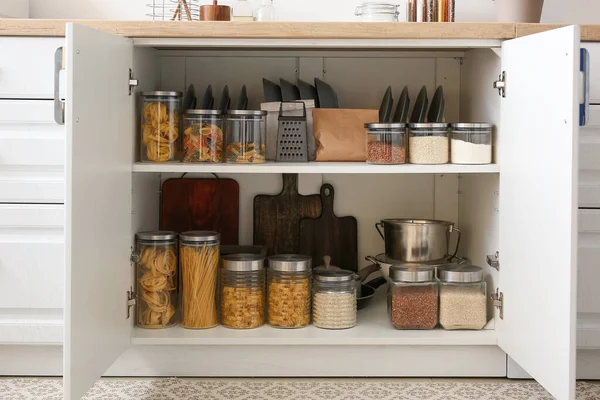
575	11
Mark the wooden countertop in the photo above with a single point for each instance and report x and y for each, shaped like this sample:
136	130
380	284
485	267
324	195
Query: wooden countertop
290	30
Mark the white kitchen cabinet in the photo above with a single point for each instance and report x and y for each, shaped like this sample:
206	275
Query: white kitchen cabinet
524	206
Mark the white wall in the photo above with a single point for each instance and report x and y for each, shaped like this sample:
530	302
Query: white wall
564	11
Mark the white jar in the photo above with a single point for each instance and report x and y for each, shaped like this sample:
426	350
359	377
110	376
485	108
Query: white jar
378	12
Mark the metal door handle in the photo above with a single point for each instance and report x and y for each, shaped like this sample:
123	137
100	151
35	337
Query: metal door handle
59	104
584	67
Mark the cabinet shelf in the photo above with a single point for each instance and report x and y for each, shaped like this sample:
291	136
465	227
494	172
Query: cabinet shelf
373	329
315	168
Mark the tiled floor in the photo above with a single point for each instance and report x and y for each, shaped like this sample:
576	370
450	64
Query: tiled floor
289	389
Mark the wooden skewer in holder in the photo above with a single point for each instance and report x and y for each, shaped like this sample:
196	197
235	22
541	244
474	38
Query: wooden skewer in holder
215	12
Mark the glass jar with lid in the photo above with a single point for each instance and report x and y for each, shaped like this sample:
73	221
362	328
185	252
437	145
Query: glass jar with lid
288	290
156	279
242	291
378	12
245	133
386	143
413	297
428	143
243	11
160	126
203	136
463	297
199	264
471	143
334	299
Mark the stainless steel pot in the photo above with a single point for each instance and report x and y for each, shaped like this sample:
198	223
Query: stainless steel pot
417	240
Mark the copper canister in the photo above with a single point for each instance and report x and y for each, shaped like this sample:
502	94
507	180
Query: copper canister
215	12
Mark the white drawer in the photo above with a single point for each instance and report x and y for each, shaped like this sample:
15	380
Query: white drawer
589	161
588	295
31	256
28	134
27	67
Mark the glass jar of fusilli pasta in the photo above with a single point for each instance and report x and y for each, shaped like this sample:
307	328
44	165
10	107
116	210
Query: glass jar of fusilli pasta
156	277
199	265
243	291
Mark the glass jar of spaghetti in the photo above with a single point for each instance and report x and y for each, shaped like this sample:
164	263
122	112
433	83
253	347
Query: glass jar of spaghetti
203	136
156	279
199	264
243	291
288	290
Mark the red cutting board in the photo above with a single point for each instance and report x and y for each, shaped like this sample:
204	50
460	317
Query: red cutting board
330	235
201	204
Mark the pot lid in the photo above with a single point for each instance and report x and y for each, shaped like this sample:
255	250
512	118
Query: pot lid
384	259
335	275
243	262
400	273
156	235
463	273
290	263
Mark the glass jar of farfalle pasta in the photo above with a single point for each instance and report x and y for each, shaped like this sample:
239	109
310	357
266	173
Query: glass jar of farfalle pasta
243	291
156	277
160	126
203	136
199	265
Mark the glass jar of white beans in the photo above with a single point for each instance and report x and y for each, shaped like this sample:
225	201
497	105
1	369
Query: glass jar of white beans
428	143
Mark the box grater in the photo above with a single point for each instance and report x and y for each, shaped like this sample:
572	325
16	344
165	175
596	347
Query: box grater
292	140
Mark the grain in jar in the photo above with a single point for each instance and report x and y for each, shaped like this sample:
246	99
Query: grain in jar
203	136
463	301
199	264
288	290
428	143
334	299
413	297
386	143
242	291
160	126
156	279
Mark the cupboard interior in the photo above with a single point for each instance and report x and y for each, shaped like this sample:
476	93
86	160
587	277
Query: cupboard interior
360	79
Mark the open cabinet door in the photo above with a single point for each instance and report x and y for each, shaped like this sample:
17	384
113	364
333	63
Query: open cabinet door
538	205
100	124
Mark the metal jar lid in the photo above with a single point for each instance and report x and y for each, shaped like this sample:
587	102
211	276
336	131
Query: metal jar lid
463	273
371	8
203	112
290	263
156	235
199	236
428	125
243	262
162	93
252	113
478	125
334	275
391	125
401	273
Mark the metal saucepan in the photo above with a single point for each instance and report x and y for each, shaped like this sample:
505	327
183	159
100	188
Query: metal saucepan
417	240
383	263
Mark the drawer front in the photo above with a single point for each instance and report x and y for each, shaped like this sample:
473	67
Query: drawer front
588	295
32	186
27	67
29	136
31	256
589	161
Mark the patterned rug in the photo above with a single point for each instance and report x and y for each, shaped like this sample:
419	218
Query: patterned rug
289	389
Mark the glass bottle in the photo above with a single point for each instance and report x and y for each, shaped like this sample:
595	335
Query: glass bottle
266	12
242	11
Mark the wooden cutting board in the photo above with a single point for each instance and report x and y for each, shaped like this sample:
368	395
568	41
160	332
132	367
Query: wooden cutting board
329	235
277	218
201	204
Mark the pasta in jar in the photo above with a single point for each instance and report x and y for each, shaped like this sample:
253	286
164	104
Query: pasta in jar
199	263
160	126
203	136
156	273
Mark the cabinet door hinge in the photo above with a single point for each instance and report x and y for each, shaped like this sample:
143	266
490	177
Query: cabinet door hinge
131	296
498	302
494	260
132	81
500	84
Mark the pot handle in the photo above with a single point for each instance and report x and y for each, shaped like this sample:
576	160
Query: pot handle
457	242
377	225
365	272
